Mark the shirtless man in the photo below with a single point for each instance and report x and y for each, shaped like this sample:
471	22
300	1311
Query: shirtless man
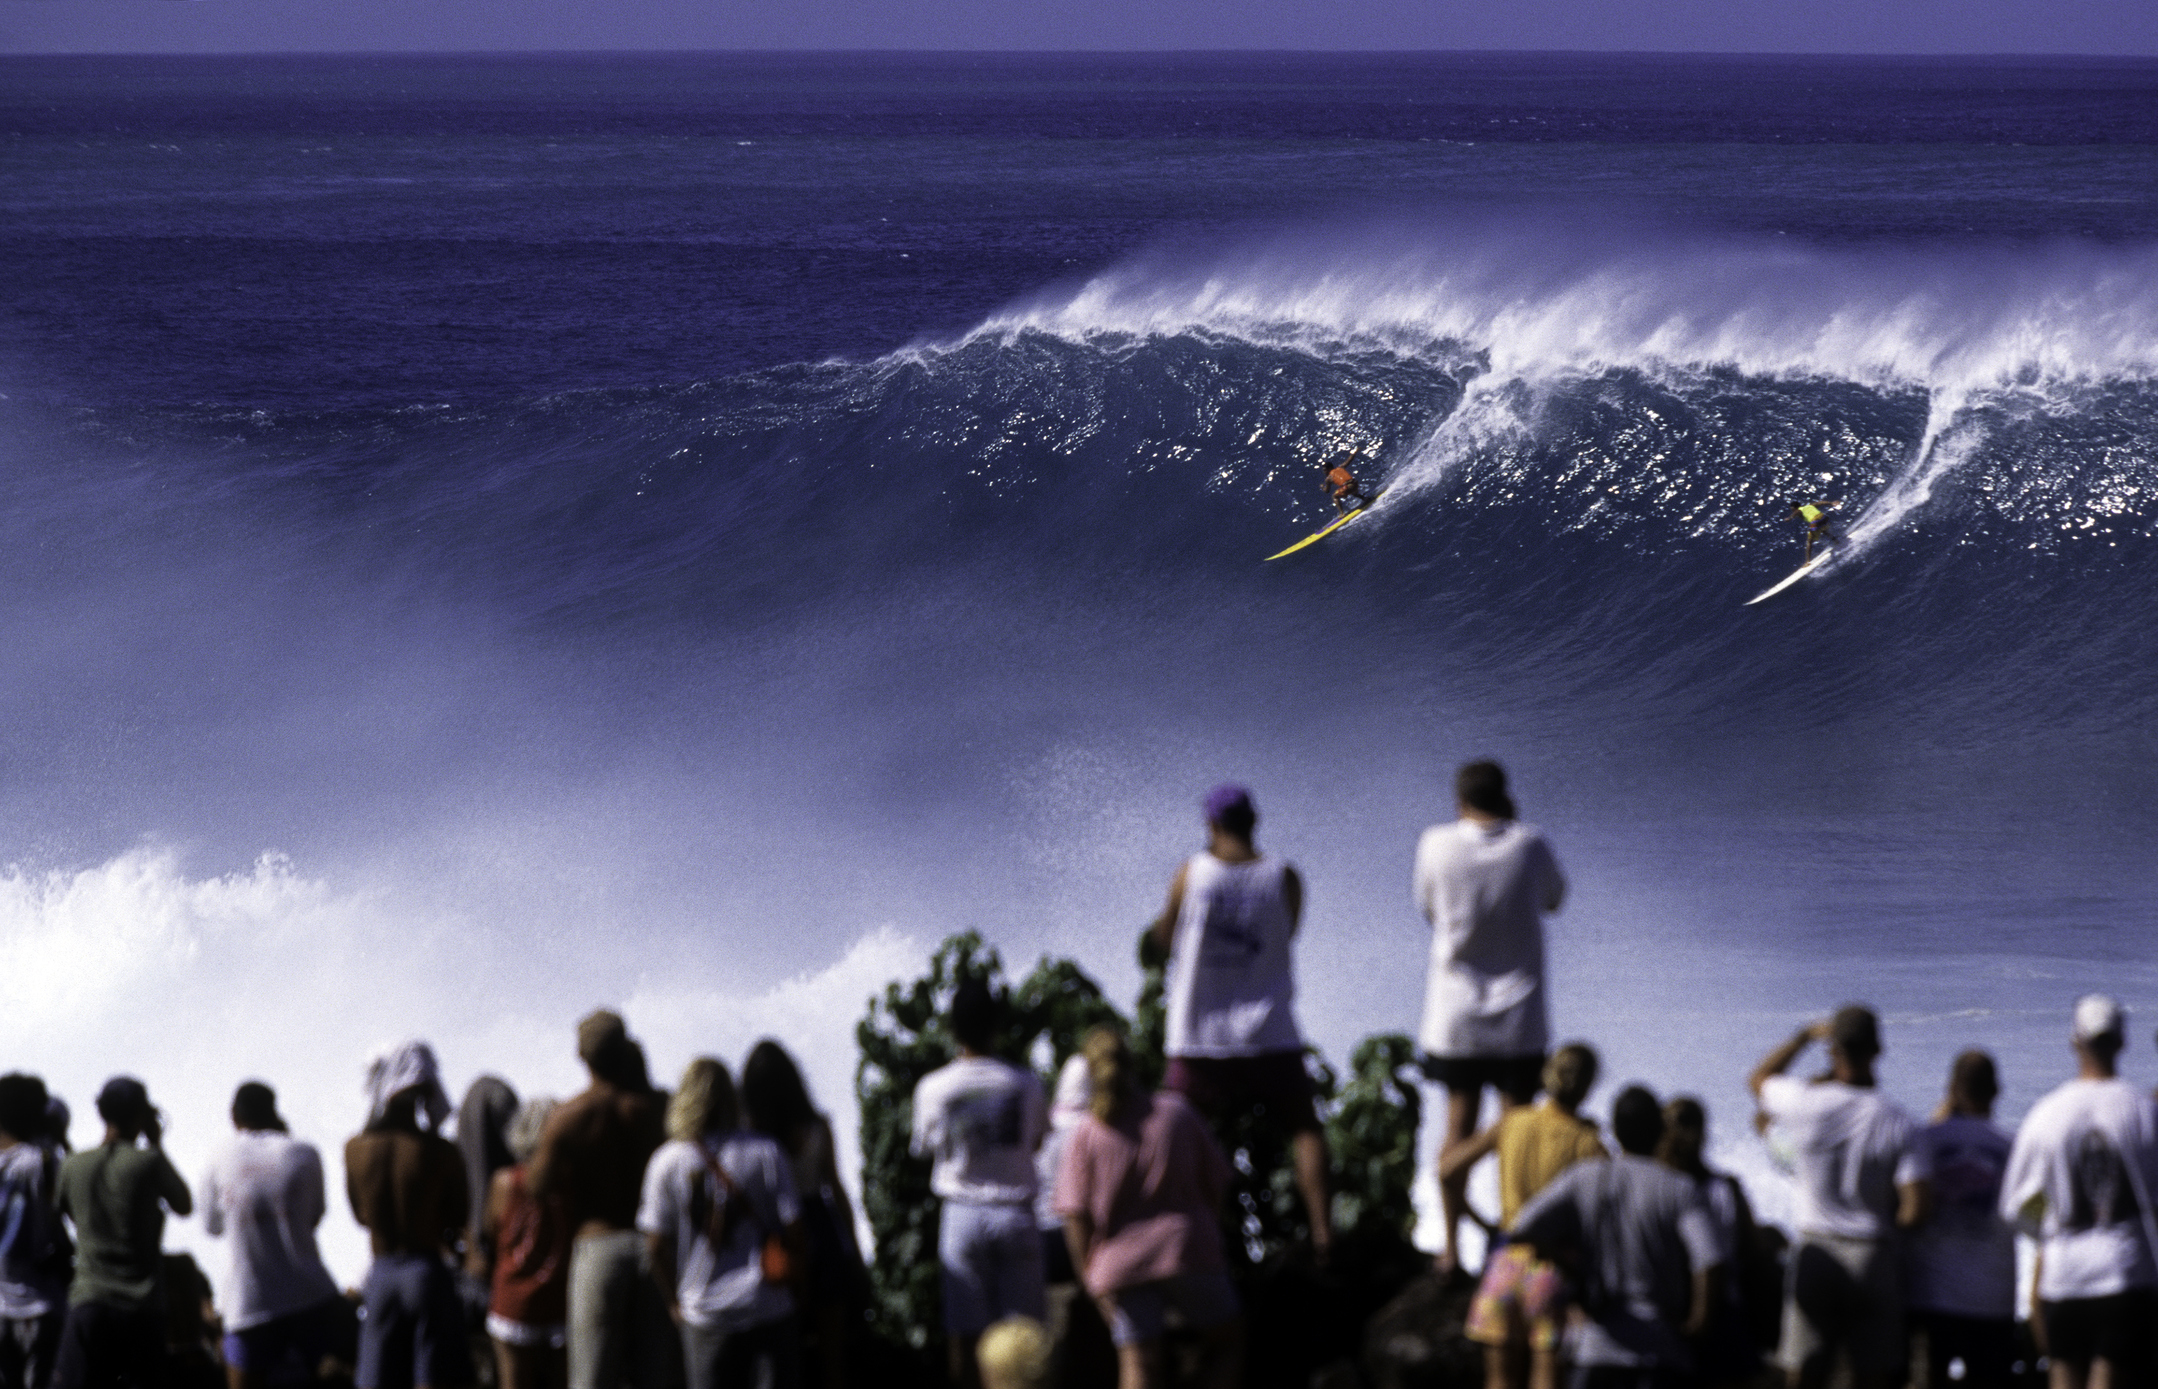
1341	484
593	1153
407	1187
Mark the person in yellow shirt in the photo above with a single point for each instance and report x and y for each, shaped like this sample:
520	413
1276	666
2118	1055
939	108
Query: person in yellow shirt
1815	517
1519	1308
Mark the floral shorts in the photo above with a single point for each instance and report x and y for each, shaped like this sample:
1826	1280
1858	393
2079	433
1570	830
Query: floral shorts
1522	1298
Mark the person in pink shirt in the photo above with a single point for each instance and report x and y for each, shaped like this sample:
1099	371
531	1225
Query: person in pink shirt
1140	1190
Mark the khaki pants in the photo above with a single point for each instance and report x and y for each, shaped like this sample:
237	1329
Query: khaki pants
619	1332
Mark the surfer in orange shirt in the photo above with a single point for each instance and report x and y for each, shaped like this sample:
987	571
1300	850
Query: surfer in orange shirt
1342	485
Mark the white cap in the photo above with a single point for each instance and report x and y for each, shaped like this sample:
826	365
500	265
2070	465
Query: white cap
2099	1016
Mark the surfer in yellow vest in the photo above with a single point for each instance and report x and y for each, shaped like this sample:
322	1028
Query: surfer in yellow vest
1815	517
1342	485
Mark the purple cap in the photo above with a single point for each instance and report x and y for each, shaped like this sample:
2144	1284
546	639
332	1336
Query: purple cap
1225	798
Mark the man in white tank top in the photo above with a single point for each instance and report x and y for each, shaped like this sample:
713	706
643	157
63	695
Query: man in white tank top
1232	1034
1484	883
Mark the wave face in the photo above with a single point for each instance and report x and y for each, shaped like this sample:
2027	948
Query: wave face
1588	456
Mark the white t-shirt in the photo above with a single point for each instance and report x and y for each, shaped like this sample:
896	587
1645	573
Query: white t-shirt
1230	989
980	1120
265	1190
1962	1261
1852	1146
1643	1231
1484	889
2089	1151
721	1289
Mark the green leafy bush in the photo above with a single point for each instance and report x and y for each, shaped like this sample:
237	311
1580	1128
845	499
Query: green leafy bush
1371	1124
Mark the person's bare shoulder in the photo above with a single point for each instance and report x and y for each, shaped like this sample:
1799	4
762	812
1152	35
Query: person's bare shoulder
575	1119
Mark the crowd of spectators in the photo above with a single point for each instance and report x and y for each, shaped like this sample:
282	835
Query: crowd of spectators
622	1237
628	1237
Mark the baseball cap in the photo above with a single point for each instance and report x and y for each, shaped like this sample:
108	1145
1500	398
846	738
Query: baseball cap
2098	1016
1225	798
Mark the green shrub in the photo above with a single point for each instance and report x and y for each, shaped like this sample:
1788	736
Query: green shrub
1370	1122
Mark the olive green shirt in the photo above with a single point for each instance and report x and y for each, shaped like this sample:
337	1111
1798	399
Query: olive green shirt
116	1195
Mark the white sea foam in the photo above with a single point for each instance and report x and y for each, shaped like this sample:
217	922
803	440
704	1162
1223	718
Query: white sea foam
1530	303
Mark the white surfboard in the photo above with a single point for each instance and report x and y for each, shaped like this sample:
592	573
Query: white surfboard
1795	575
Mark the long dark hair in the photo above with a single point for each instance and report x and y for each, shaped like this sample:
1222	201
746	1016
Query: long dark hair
774	1099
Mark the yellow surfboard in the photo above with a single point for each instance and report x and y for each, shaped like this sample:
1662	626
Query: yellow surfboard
1316	536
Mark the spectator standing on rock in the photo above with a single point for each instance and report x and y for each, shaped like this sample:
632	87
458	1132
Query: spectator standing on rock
979	1119
117	1194
1069	1105
723	1223
593	1155
2082	1171
529	1239
482	1140
1962	1266
776	1103
1856	1186
33	1252
1728	1354
1519	1308
1231	1037
1646	1253
1484	882
1141	1191
264	1192
407	1187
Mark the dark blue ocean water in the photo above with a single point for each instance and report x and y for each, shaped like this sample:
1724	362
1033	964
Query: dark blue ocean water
619	521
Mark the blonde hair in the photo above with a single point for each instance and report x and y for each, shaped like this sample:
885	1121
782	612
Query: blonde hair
704	1102
1109	1066
522	1134
1570	1074
1014	1354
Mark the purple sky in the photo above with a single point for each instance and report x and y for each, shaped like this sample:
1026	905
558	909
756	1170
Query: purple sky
2116	27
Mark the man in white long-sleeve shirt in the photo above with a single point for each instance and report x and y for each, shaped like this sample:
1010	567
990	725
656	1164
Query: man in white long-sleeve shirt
2083	1167
1484	883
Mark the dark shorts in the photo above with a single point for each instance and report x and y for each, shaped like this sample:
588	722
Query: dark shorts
1275	1081
1518	1078
2114	1329
1985	1345
287	1348
28	1347
1057	1258
413	1330
103	1345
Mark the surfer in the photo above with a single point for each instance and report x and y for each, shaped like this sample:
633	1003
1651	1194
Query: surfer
1815	517
1342	485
